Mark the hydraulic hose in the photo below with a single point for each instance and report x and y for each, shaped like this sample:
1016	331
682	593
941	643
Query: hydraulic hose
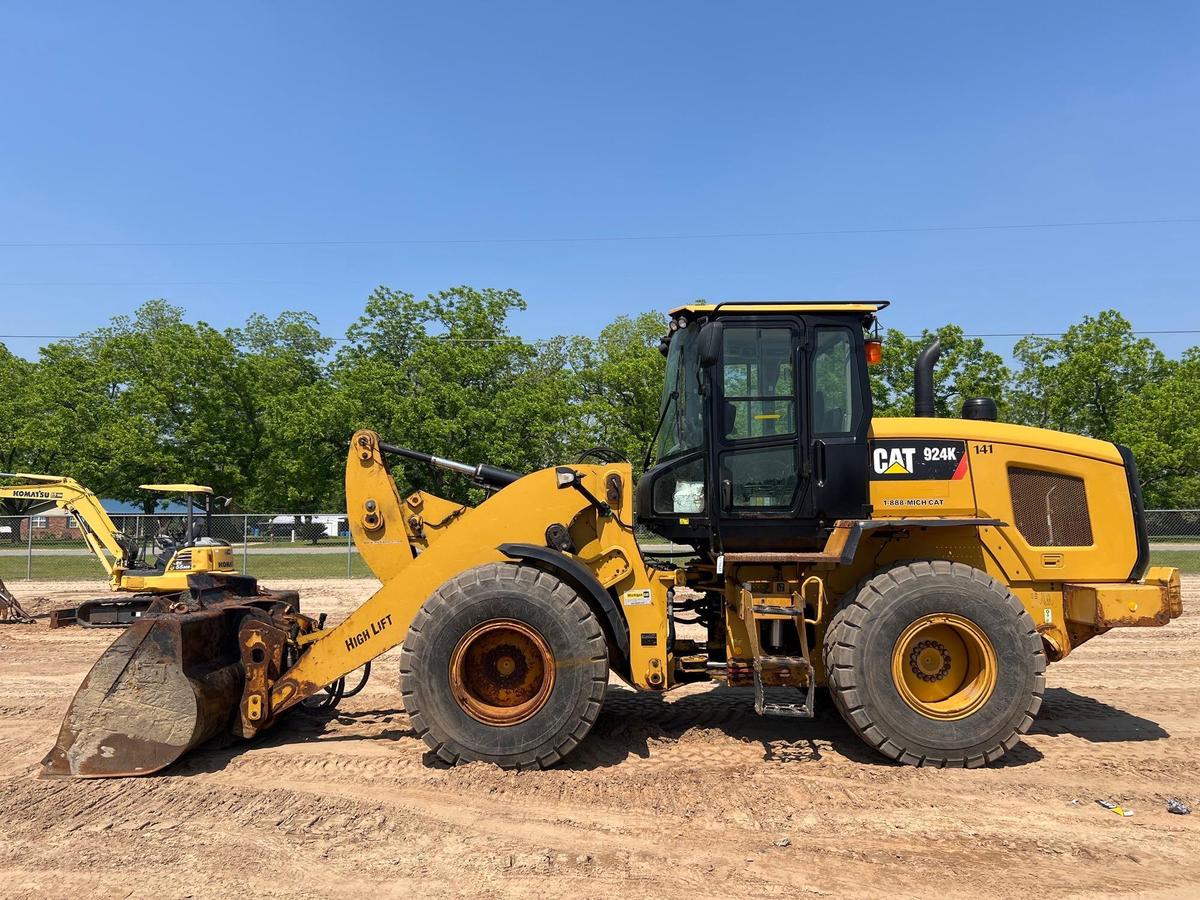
335	691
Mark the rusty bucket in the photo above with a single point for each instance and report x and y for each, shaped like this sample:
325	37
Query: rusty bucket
168	683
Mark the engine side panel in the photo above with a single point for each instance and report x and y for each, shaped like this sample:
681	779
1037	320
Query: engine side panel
1065	499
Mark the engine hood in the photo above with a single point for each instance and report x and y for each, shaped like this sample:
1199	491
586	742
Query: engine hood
996	433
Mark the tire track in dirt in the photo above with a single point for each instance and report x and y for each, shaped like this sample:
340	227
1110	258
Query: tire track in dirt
687	792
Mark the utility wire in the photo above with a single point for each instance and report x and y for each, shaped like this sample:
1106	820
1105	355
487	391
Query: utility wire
698	236
512	338
147	283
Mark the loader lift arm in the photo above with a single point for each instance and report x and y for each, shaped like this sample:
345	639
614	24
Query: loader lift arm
234	653
393	535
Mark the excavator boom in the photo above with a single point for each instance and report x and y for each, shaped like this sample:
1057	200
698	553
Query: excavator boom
49	491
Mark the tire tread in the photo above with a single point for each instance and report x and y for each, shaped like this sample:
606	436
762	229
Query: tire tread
454	592
840	645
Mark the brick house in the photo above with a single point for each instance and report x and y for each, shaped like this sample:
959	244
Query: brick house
54	523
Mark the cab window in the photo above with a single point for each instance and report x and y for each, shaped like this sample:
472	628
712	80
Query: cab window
758	383
834	383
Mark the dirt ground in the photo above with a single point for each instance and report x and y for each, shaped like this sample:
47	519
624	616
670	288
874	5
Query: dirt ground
692	794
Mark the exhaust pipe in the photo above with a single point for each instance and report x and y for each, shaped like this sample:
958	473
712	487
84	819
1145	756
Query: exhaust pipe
923	380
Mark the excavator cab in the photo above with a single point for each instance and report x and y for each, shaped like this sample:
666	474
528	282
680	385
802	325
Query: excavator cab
197	524
762	435
192	552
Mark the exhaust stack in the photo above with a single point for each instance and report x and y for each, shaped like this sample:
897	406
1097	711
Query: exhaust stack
923	405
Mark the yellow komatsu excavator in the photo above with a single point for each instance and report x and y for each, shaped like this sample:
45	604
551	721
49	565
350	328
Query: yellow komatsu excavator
194	552
923	570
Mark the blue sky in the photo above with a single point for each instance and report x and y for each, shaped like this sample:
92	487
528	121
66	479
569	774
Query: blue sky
273	122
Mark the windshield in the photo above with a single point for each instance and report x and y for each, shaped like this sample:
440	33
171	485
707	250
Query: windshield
680	425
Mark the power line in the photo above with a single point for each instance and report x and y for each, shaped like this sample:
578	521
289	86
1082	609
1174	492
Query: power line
511	338
1057	334
726	235
145	283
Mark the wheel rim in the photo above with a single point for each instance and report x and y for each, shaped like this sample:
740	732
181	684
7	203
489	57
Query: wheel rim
501	672
944	666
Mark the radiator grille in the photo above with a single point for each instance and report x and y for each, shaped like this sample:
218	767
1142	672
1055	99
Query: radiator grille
1050	509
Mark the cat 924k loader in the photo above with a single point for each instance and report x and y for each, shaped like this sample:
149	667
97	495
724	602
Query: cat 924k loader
924	569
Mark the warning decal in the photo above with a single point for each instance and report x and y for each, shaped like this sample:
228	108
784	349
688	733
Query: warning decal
918	460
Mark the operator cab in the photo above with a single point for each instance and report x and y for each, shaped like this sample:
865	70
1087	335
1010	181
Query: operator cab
196	532
762	433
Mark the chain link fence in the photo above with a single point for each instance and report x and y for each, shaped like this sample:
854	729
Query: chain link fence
1173	525
51	547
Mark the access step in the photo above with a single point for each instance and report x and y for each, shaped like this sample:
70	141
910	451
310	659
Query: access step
784	668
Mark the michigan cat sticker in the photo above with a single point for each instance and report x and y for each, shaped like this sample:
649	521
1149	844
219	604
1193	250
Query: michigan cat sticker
916	460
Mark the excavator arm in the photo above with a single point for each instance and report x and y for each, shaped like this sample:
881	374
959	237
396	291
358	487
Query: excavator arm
50	491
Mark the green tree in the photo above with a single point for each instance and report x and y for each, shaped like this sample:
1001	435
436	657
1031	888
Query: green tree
154	398
966	369
1079	382
620	377
21	445
1161	424
445	376
293	447
61	413
32	438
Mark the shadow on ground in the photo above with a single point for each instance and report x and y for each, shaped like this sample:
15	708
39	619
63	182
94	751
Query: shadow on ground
1066	712
300	726
639	725
632	724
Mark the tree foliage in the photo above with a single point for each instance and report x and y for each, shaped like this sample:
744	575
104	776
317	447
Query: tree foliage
286	408
1080	381
1161	425
444	375
262	412
965	369
620	376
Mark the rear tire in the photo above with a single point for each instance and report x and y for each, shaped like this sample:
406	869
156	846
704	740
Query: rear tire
504	664
936	664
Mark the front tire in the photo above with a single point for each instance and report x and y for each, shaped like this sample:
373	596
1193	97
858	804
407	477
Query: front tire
504	664
936	664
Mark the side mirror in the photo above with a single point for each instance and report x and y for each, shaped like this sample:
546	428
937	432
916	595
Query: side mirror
710	343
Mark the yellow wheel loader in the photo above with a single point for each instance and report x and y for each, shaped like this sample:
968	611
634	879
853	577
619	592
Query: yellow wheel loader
924	570
194	552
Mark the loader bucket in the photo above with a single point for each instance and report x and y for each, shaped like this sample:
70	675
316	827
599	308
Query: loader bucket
168	683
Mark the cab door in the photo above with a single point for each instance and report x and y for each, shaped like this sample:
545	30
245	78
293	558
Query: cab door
759	446
839	416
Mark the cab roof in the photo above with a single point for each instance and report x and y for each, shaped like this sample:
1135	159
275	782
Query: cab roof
177	488
733	307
